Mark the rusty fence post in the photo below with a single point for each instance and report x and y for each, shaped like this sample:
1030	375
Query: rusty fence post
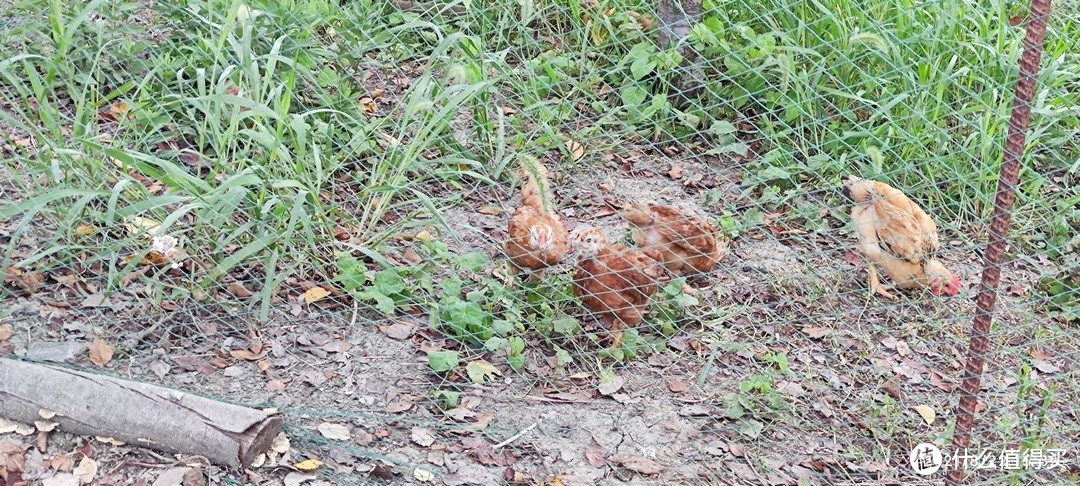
979	347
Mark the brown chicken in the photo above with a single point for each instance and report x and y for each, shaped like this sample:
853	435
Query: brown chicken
538	238
613	280
685	242
897	234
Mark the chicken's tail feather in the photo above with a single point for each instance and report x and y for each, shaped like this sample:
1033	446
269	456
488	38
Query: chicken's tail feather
535	192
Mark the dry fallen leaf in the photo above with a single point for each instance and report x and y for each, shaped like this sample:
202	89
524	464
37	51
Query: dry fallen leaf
64	479
596	454
100	352
398	406
308	465
334	431
577	150
641	465
368	105
86	470
295	478
927	413
315	294
399	330
12	458
611	386
119	109
138	225
423	475
238	290
481	371
816	332
109	440
423	437
246	355
1044	366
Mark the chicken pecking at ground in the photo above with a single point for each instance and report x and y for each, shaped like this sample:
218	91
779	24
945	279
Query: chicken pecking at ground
538	238
898	235
613	280
685	242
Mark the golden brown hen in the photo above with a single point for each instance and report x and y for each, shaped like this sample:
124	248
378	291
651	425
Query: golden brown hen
898	235
613	280
538	238
685	242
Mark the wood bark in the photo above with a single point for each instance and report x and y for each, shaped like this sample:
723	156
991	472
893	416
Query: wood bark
677	18
136	413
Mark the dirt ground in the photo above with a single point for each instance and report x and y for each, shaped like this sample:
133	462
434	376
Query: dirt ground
842	413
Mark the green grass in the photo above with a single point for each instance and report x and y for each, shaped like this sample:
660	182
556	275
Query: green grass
245	138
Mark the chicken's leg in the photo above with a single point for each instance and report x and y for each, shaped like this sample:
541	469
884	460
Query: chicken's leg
616	333
877	287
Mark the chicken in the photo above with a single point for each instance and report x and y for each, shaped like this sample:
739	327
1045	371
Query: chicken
685	242
897	234
613	280
538	238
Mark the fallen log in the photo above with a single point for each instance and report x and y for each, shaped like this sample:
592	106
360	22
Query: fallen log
136	413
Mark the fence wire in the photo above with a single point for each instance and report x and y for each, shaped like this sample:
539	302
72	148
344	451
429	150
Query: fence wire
510	242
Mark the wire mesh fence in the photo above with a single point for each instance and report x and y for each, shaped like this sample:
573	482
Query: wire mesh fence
557	242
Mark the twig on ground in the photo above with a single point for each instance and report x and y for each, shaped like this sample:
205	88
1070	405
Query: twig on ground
516	436
145	333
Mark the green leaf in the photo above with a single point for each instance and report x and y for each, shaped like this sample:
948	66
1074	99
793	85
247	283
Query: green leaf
567	326
442	361
383	303
447	399
350	272
633	95
496	344
738	148
481	371
721	128
641	67
451	286
684	300
734	408
388	282
517	345
750	428
502	327
473	262
516	361
562	358
773	173
780	359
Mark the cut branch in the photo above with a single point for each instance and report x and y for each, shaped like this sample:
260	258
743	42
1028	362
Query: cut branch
137	413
